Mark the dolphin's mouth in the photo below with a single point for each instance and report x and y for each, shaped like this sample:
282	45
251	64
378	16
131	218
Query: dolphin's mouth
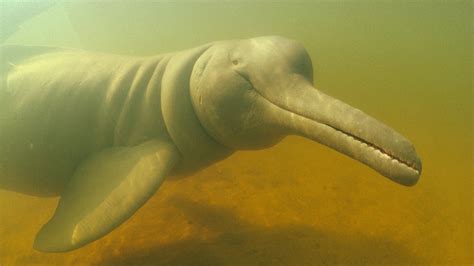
378	151
321	118
383	160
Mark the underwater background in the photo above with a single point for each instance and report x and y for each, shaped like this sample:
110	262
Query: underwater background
407	63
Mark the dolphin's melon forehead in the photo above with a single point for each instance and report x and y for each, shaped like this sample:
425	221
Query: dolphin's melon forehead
274	54
285	46
275	40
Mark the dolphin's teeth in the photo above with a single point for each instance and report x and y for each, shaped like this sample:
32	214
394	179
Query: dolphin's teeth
379	152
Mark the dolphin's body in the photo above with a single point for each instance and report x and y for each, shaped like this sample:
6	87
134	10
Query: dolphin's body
103	131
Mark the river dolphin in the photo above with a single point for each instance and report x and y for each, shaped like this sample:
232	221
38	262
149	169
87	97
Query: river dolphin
103	131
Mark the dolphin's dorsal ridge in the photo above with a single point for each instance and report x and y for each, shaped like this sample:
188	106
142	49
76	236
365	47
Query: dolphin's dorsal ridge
13	55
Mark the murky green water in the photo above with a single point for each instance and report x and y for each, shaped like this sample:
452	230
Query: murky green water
407	64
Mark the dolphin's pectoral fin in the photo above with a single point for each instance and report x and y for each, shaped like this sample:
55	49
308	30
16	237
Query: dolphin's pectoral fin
105	190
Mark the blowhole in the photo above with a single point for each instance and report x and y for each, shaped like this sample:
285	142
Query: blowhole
235	62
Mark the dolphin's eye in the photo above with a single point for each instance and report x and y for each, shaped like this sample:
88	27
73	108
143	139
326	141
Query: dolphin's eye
235	62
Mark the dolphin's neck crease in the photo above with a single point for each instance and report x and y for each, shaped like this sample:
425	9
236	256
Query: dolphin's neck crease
197	148
139	116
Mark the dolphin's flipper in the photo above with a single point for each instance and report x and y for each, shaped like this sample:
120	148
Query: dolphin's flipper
105	190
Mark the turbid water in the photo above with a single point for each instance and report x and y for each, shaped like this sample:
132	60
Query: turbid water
407	64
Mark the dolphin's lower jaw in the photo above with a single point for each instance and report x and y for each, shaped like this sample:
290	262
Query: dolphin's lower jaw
398	170
353	133
381	152
406	173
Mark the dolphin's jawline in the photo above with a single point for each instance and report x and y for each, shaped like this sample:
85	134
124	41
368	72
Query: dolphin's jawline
370	146
374	147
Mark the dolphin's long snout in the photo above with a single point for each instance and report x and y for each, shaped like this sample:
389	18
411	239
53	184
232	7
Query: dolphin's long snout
308	112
